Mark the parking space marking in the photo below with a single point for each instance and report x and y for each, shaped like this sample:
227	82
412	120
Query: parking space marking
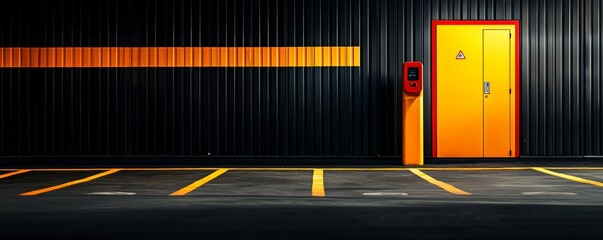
199	183
309	168
550	193
569	177
112	193
574	168
64	185
318	185
13	173
384	194
471	168
443	185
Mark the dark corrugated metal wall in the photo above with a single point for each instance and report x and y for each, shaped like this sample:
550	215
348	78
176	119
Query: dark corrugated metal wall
312	111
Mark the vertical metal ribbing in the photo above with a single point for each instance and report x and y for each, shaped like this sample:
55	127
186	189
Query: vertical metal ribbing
285	112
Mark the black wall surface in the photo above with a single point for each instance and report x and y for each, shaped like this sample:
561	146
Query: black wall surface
286	111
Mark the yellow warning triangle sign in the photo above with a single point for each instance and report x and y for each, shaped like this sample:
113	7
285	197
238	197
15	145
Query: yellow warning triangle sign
460	55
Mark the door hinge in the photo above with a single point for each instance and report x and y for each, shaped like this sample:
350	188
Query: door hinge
509	91
509	35
510	153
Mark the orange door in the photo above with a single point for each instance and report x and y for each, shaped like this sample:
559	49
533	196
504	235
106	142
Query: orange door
459	94
497	94
475	106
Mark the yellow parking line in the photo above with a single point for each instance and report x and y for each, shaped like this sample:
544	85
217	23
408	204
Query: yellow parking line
438	183
216	168
199	183
569	177
64	185
471	168
309	168
575	168
318	184
58	169
13	173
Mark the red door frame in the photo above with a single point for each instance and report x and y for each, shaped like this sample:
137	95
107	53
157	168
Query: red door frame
434	109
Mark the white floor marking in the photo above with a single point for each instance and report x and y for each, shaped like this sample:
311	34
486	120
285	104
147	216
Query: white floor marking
112	193
549	193
384	194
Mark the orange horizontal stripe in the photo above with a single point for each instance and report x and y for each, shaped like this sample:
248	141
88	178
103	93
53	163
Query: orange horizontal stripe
99	57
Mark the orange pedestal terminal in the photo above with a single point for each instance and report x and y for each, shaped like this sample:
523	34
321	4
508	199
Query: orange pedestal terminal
412	114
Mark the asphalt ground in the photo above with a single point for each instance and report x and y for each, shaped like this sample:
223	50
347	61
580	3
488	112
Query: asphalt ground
538	200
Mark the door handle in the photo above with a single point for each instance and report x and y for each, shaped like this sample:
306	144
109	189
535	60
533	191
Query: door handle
486	87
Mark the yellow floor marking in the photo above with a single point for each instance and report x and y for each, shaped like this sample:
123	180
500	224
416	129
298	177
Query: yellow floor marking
471	169
574	168
61	169
213	169
569	177
199	183
64	185
13	173
438	183
318	184
275	169
311	169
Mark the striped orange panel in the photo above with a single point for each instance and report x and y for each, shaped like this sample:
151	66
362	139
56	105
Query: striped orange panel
43	57
215	61
222	57
256	57
144	60
35	58
197	57
327	56
123	57
52	57
162	57
87	57
318	56
310	56
205	57
135	57
11	57
335	56
25	57
291	57
60	57
223	52
301	57
240	57
105	57
7	56
265	57
248	56
16	57
171	57
113	57
77	57
283	57
153	57
232	56
188	57
180	57
344	57
356	57
274	57
68	57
